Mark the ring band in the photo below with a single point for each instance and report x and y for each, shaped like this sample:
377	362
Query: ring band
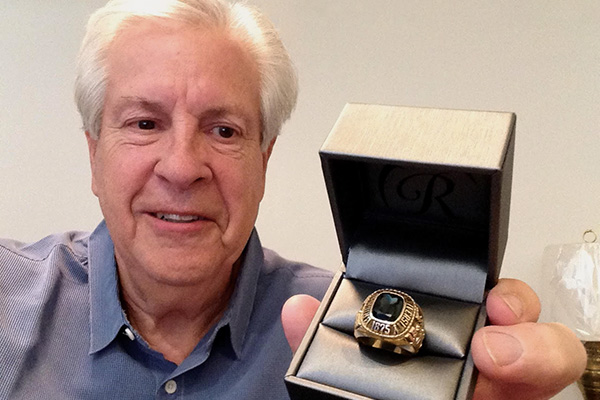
391	320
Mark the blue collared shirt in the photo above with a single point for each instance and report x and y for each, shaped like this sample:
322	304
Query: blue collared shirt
64	335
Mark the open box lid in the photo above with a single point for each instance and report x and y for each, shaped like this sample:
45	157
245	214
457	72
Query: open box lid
420	196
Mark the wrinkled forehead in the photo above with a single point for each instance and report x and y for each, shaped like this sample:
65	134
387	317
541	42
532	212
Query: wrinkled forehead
185	38
167	63
159	42
157	26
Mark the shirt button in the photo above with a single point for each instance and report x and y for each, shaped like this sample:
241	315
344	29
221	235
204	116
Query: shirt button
127	332
171	386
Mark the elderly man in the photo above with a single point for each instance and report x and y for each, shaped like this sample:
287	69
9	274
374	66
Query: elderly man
173	295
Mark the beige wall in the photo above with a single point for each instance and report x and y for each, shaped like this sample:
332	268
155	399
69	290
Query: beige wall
540	59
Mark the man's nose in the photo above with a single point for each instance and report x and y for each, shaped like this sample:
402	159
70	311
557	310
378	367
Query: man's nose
184	158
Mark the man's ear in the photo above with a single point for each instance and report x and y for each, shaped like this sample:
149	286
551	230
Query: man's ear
267	153
92	143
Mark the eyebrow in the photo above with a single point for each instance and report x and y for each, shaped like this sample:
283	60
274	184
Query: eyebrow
227	111
219	112
142	102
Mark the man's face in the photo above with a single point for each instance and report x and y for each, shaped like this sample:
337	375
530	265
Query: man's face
178	168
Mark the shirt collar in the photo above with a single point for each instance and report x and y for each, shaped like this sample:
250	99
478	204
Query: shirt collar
242	300
106	314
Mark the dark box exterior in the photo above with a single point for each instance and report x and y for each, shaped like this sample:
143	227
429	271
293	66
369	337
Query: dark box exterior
420	199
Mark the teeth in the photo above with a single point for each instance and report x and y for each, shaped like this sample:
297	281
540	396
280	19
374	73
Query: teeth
177	218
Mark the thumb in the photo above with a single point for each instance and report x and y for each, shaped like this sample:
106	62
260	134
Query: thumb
526	361
296	315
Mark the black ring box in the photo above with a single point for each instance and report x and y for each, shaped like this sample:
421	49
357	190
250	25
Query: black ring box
420	199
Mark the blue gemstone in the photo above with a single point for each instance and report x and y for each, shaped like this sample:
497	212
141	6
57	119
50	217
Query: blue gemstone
387	307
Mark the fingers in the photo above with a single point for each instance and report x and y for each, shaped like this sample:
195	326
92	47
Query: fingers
296	315
511	302
526	361
520	359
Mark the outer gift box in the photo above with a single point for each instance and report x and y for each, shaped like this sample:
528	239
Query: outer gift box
420	199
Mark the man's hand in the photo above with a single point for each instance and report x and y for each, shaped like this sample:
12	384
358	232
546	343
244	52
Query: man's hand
517	357
296	315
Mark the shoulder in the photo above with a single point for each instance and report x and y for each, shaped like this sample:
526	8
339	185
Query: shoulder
43	293
74	241
295	277
64	252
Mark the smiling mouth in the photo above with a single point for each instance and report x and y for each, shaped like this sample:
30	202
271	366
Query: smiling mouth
181	219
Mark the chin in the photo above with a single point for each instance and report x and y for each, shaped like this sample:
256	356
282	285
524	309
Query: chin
186	272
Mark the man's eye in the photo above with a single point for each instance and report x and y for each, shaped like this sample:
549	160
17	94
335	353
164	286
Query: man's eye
223	131
146	124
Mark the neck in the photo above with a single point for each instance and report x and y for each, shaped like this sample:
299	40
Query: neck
173	319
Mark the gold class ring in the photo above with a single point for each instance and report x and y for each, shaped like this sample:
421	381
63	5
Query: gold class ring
391	320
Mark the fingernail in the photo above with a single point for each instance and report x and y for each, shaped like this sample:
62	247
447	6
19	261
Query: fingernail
503	348
514	303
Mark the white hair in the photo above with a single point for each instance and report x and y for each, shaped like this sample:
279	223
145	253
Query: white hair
278	82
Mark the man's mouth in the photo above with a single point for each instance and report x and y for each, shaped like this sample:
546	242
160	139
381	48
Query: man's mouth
178	218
